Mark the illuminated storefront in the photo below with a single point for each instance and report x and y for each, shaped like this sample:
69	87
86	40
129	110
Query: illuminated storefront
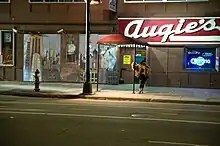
6	48
55	55
108	58
62	57
59	57
180	49
42	52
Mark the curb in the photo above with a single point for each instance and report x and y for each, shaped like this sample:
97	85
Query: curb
152	100
81	96
43	95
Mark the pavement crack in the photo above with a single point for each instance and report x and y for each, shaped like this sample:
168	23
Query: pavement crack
63	131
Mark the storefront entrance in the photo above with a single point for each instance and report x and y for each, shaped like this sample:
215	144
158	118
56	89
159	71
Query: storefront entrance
125	66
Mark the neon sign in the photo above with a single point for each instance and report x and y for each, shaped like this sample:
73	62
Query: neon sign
200	61
200	58
191	30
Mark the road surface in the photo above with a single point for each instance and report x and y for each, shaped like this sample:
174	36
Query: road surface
67	122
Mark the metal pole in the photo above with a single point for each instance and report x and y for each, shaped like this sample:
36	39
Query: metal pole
87	42
98	68
87	88
135	49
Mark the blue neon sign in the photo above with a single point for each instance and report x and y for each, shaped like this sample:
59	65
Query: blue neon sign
200	61
196	58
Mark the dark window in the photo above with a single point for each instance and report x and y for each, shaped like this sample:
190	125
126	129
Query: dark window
165	0
55	1
141	0
36	1
65	1
4	1
51	1
180	0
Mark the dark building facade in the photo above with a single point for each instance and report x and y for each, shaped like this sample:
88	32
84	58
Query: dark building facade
168	61
50	36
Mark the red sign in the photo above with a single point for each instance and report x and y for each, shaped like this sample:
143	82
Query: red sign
196	30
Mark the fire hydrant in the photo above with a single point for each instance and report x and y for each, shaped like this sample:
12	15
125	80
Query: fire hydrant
36	80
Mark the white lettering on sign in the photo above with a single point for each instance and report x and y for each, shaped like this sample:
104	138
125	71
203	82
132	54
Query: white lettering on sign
200	61
167	30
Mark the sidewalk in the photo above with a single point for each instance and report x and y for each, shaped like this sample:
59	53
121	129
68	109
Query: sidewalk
113	92
50	90
159	94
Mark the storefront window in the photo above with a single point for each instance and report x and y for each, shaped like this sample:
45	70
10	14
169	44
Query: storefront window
6	48
152	1
71	48
4	1
56	1
42	52
71	69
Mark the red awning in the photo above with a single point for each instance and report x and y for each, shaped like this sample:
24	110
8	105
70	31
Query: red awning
120	39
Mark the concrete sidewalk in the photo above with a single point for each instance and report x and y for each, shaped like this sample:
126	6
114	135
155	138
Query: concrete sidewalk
195	97
113	92
50	90
158	94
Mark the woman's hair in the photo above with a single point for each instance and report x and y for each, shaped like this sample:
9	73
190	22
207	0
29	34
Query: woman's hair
142	62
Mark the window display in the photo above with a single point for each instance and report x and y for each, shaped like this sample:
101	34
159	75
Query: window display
71	64
71	50
42	52
200	58
107	57
6	48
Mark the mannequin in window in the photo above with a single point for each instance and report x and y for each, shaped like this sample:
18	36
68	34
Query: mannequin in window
71	48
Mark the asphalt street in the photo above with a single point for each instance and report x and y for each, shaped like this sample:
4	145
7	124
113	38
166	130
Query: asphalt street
71	122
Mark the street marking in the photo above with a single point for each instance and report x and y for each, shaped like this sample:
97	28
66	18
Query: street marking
174	143
80	109
16	109
141	115
138	102
3	106
188	104
111	117
153	108
109	101
170	114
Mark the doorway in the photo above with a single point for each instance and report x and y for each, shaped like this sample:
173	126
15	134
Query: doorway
142	53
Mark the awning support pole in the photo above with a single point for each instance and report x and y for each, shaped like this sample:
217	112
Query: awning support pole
97	82
135	49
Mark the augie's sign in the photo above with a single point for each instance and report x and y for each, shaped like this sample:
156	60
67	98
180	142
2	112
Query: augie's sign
200	30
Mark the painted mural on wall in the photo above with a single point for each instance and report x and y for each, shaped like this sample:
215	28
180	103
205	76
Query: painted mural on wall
42	52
